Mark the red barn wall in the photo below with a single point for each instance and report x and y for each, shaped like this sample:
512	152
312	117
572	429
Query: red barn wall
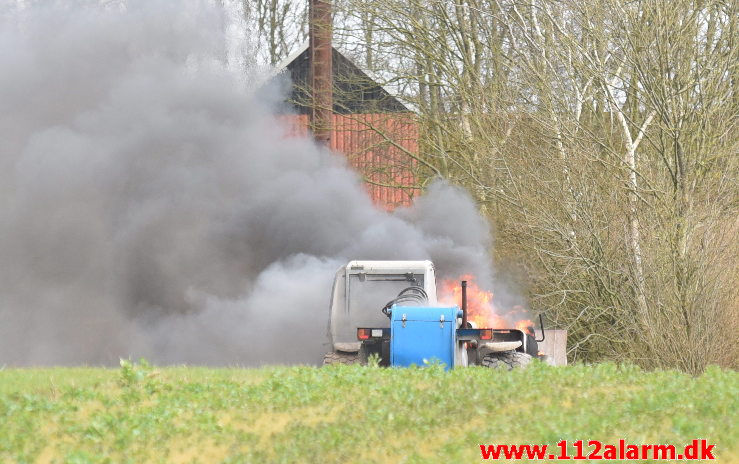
380	147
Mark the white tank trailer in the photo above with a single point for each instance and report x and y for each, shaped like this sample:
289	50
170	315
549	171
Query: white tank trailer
389	309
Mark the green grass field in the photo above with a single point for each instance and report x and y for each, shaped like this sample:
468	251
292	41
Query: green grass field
350	414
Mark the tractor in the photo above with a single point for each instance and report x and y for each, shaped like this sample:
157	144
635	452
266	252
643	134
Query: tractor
412	328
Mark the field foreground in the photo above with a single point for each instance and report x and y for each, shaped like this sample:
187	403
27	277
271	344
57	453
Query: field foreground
349	414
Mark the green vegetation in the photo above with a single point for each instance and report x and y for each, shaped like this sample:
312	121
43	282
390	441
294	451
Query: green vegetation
350	414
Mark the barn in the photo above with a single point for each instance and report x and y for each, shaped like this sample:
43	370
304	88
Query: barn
370	126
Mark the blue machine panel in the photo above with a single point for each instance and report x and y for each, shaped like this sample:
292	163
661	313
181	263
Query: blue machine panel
421	334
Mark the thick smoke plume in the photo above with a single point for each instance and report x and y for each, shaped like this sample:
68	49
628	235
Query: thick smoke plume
150	205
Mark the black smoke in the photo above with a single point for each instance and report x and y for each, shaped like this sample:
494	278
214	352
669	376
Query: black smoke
150	205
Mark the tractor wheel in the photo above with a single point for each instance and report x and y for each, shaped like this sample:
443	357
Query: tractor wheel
506	359
341	357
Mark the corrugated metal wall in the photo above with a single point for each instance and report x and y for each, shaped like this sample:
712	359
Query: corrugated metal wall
379	147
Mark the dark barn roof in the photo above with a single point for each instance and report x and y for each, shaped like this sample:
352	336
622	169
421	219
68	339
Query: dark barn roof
354	91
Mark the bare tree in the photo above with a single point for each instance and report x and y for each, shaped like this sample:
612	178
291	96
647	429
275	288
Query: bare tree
280	26
600	137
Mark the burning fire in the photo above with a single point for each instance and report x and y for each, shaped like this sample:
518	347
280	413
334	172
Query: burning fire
480	307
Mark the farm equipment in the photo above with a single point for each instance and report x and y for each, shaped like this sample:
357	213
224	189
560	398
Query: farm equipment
412	328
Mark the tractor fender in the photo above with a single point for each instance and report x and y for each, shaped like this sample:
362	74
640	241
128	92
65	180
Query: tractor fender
351	347
496	347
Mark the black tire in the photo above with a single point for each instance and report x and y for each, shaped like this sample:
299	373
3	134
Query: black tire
341	357
506	360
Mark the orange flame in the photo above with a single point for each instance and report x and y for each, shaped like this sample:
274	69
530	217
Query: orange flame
480	307
525	326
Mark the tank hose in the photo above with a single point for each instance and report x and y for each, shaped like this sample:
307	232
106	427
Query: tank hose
410	296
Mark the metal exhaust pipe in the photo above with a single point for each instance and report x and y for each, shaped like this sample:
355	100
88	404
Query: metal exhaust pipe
464	304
